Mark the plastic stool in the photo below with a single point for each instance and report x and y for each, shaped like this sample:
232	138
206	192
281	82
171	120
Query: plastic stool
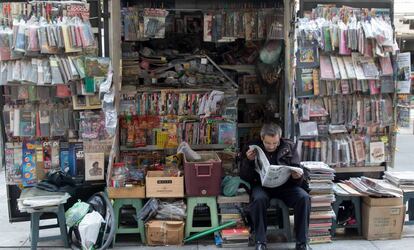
35	227
409	196
192	202
285	215
135	203
356	200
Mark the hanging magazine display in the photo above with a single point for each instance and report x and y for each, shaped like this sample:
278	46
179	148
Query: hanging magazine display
272	175
345	101
48	70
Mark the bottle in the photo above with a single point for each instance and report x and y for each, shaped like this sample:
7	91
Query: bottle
119	175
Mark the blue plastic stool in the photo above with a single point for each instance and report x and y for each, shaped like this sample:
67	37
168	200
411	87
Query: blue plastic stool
285	215
356	200
119	229
59	211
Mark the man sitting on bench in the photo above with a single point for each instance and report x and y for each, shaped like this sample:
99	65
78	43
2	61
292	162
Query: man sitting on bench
279	151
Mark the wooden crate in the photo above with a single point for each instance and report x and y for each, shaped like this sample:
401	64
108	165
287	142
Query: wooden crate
126	192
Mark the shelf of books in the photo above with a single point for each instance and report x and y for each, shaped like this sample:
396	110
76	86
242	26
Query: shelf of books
170	94
350	82
51	78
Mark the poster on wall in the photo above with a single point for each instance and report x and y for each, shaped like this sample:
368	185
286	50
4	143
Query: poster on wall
29	164
94	166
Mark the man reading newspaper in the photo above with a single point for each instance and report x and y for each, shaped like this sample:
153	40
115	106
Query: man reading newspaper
279	176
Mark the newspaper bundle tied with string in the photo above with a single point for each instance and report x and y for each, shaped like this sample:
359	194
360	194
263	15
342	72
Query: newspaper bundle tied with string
272	176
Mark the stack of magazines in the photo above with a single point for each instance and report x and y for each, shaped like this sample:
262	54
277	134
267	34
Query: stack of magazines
374	187
229	210
403	180
321	185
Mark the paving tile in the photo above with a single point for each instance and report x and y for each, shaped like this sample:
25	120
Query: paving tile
405	243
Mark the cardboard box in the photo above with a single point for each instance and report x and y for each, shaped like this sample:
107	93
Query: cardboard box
162	233
382	218
380	202
159	186
126	192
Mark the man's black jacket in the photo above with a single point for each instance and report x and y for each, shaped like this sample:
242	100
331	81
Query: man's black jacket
285	154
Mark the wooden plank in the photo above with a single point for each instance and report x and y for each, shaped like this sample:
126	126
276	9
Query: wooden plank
360	169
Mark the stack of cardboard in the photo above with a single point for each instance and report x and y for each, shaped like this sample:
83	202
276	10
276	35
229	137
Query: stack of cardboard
321	185
229	210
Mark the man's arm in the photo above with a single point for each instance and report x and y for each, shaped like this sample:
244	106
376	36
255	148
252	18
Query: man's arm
247	172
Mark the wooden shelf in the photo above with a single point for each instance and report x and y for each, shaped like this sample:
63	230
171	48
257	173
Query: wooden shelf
195	147
360	169
249	125
249	96
17	84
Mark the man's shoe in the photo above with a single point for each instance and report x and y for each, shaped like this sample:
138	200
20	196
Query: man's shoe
302	246
261	246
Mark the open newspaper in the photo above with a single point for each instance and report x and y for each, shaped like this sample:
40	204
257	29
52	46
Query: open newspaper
272	176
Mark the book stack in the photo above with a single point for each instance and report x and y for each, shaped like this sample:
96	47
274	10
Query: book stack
321	185
229	210
403	180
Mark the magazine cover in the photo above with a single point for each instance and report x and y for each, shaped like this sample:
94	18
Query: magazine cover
308	57
305	83
377	152
227	133
94	166
404	73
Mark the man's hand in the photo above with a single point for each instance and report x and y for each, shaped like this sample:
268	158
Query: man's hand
296	175
251	154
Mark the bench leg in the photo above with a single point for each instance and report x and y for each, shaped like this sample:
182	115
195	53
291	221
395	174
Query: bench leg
357	207
35	217
411	209
62	226
335	207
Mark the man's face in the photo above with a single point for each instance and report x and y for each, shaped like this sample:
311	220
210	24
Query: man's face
271	142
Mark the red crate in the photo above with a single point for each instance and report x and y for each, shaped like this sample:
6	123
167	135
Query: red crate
203	178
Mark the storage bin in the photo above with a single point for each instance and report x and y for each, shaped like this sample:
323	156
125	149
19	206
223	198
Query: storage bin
203	178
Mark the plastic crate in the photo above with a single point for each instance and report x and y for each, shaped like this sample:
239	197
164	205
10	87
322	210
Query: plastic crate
203	178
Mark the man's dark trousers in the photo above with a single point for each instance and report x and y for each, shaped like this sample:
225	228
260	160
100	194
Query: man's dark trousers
294	197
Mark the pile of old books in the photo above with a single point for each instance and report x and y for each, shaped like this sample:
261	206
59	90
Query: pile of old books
374	187
229	210
321	186
403	180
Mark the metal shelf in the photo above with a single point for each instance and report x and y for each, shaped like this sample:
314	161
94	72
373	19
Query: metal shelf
195	147
246	68
306	5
